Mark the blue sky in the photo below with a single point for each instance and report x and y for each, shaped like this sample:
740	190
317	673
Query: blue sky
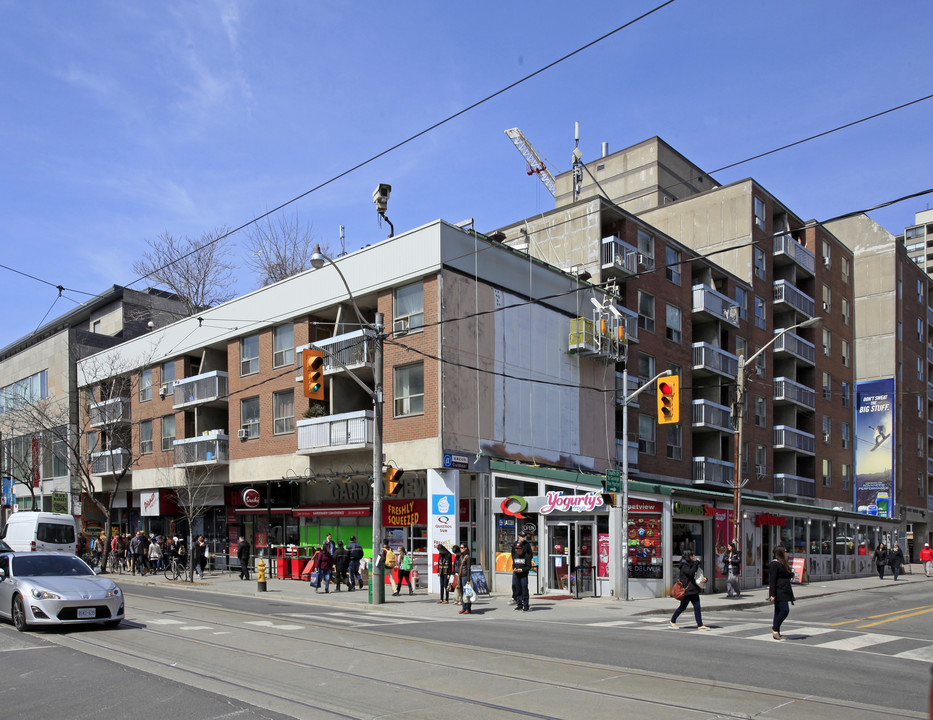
123	120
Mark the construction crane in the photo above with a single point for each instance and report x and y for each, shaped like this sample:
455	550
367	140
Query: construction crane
536	164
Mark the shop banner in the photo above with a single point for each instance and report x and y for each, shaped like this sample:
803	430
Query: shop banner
402	513
874	447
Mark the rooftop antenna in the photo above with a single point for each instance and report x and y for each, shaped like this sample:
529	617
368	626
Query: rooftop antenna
575	161
343	241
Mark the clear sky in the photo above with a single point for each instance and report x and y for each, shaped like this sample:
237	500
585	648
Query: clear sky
122	120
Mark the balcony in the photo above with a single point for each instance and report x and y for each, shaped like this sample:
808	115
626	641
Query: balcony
711	303
110	462
930	392
618	256
710	471
350	351
711	416
785	293
789	438
207	389
711	359
929	316
793	486
789	391
929	354
795	346
785	247
110	412
211	448
930	428
336	433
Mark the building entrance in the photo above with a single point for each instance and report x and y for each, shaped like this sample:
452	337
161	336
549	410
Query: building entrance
571	556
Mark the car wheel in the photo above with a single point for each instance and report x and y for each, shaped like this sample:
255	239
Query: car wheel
19	614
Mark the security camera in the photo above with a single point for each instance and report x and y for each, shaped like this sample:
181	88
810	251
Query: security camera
381	197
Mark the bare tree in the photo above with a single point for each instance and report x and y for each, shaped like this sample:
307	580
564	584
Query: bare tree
279	247
200	272
193	496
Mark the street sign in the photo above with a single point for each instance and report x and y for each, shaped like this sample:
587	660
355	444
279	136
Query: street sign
457	462
614	481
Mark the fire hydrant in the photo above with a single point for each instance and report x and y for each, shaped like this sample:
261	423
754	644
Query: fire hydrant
261	576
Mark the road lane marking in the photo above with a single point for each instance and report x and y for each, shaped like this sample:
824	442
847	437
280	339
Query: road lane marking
274	626
613	623
195	627
925	654
872	617
857	642
899	617
164	621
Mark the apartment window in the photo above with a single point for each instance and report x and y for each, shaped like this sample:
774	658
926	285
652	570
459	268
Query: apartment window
91	440
760	366
759	213
920	444
672	259
673	324
845	353
845	311
283	412
249	355
845	270
827	386
920	329
168	433
645	311
844	433
646	249
827	469
674	442
409	389
759	263
827	258
646	370
249	416
920	485
145	437
760	411
920	291
741	346
827	342
283	345
845	394
145	386
761	460
919	368
745	460
646	437
845	475
827	429
760	320
168	373
409	307
827	299
920	401
741	299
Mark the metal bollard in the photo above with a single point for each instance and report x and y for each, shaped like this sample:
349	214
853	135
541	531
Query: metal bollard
261	575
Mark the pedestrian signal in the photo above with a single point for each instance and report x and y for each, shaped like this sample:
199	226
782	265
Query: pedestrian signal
312	361
668	400
609	499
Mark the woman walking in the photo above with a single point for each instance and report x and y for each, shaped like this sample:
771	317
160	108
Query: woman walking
895	560
463	570
780	591
926	557
444	568
404	571
689	567
455	575
880	558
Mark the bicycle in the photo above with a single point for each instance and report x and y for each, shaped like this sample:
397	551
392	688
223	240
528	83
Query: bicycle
116	564
175	571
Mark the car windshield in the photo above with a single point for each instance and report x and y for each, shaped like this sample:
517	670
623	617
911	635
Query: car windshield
49	566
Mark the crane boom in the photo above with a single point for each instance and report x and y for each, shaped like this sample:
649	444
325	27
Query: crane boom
536	164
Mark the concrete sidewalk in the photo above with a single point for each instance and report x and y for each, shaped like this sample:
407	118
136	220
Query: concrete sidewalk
422	603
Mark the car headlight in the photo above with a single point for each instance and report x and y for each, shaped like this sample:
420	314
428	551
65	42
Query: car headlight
114	592
44	595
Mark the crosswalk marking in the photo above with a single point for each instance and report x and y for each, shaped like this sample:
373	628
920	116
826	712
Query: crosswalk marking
164	621
924	654
857	642
274	626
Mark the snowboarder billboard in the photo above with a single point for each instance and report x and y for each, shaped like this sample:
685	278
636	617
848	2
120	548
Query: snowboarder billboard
874	447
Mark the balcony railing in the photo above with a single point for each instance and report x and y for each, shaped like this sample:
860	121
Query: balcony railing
929	354
929	316
710	471
354	350
786	390
714	359
930	392
930	428
793	344
209	387
619	256
786	246
711	302
785	292
712	416
109	462
115	411
212	448
790	438
794	485
335	433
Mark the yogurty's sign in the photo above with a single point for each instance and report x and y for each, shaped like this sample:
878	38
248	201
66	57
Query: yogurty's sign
558	502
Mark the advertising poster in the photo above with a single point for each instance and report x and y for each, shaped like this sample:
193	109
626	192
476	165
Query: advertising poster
874	447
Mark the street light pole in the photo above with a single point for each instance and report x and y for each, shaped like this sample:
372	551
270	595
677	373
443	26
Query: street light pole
738	418
376	572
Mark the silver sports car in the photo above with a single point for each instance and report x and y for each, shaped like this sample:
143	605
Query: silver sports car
55	589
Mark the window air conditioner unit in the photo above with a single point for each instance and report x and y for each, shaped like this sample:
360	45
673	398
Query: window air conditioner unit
400	326
826	306
242	433
642	259
759	371
163	391
826	261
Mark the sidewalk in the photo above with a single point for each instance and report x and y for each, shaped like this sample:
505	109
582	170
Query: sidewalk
424	603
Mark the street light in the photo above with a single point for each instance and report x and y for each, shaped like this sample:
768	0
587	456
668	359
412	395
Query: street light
377	572
738	417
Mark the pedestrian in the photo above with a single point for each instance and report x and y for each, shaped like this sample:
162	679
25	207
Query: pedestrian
404	571
325	565
118	548
521	566
780	591
689	567
455	575
464	581
199	555
895	560
880	558
731	564
341	564
926	557
444	570
525	542
389	561
329	545
242	554
155	555
355	551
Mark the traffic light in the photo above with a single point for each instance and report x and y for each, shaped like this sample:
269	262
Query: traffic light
312	361
669	400
609	499
393	478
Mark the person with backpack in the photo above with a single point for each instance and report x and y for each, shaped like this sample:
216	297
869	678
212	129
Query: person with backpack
341	565
355	551
389	562
404	571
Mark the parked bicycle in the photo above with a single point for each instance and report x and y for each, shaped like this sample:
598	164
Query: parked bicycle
116	564
175	571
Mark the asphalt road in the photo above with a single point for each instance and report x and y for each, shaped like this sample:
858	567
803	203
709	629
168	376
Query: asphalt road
196	654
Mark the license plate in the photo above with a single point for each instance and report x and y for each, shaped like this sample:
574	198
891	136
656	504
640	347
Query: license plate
86	613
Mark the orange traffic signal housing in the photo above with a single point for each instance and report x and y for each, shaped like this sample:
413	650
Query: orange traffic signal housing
668	400
312	362
393	478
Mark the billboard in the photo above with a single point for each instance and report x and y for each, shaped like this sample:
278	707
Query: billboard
874	447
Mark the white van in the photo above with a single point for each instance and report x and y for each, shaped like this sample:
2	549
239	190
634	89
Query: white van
30	531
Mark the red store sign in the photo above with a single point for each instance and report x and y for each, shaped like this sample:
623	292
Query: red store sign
767	519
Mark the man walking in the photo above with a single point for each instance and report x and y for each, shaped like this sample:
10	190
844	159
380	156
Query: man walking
242	554
521	566
355	551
